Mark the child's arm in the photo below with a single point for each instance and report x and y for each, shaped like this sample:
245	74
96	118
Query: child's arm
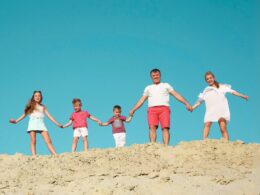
68	124
195	105
17	120
128	119
51	117
104	124
240	95
95	119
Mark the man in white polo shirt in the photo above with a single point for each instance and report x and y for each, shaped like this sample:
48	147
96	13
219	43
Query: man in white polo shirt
158	95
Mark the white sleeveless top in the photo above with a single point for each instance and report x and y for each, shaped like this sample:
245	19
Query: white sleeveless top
36	122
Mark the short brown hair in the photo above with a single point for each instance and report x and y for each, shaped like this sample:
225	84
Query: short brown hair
76	100
155	70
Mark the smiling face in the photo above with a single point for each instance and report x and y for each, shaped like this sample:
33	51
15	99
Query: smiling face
37	97
210	79
117	112
77	106
156	77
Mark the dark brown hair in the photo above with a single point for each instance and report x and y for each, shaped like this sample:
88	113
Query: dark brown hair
117	107
211	73
155	70
30	106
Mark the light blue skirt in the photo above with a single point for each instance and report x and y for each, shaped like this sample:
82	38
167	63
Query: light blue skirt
36	124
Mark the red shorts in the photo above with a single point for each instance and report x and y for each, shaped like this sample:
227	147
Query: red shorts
158	114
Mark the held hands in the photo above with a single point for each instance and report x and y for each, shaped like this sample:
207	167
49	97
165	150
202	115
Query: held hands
131	113
189	108
12	121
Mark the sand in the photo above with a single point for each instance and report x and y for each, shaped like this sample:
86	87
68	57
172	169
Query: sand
197	167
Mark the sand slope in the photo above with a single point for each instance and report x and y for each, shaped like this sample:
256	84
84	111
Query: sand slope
197	167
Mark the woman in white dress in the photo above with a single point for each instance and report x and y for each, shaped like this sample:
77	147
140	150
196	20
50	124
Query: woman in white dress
36	112
217	109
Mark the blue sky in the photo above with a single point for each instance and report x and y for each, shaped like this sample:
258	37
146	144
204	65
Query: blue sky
102	52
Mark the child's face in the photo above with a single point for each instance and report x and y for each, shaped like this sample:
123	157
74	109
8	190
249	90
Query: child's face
77	107
210	80
37	97
117	112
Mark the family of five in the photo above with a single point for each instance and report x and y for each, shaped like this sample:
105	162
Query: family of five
158	96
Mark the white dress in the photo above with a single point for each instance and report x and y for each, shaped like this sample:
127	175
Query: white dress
36	121
216	102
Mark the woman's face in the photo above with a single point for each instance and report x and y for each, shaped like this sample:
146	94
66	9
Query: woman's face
210	79
37	97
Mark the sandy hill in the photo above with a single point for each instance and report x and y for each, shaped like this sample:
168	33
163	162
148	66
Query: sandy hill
197	167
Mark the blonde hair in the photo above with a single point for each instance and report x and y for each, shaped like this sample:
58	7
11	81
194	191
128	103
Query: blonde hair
76	100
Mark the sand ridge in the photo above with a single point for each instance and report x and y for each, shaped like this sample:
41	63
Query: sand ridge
196	167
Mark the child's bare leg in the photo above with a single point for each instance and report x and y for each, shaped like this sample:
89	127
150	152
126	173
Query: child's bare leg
74	144
206	129
152	133
33	142
48	141
85	142
223	127
166	136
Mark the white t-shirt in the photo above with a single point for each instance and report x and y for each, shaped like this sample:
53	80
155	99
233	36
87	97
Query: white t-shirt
216	102
158	94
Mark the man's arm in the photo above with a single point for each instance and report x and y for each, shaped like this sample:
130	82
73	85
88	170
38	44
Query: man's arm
138	105
181	99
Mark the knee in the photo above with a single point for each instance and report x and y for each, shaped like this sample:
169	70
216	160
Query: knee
207	125
153	128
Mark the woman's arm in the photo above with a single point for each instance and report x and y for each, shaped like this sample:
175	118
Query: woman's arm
51	118
68	124
17	120
240	95
195	105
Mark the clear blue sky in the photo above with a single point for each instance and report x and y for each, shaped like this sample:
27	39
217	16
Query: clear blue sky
102	52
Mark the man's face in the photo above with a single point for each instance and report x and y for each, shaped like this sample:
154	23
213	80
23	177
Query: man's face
156	77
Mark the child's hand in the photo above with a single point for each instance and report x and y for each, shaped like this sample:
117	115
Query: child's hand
12	121
246	97
60	125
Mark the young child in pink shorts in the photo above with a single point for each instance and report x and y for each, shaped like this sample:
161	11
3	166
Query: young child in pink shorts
118	127
78	120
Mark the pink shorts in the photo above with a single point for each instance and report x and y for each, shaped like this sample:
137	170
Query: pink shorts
158	114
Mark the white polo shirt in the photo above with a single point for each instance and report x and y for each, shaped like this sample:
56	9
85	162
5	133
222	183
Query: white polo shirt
158	94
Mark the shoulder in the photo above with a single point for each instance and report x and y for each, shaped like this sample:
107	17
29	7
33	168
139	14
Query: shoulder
43	107
223	85
148	87
111	119
166	84
123	118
